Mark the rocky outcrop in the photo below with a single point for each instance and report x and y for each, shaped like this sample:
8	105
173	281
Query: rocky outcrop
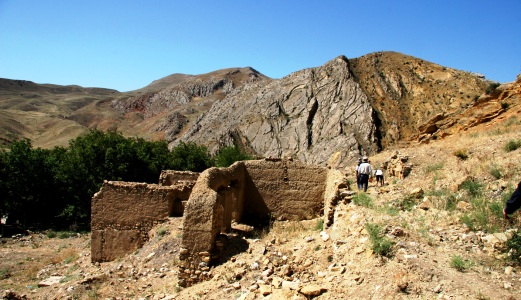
309	115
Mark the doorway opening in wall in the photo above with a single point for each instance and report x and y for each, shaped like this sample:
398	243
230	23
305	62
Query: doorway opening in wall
176	208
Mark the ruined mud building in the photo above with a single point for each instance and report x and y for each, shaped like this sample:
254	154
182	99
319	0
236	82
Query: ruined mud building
246	192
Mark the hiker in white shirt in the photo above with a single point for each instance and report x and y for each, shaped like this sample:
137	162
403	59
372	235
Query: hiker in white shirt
364	171
379	174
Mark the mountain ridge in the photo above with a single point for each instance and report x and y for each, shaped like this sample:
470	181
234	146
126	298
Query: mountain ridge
399	94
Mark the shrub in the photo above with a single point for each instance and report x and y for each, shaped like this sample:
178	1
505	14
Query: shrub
460	264
485	215
407	202
472	187
512	145
162	232
380	244
514	246
363	199
495	171
5	273
320	225
492	87
461	154
433	167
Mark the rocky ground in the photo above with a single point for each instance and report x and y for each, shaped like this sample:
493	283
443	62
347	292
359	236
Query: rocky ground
434	253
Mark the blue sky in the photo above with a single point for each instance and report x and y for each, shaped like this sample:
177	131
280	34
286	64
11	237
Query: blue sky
125	45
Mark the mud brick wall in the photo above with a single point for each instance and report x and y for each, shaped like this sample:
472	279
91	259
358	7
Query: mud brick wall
122	215
171	177
290	190
283	189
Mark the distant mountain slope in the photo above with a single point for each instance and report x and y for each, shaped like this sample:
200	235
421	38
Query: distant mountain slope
330	114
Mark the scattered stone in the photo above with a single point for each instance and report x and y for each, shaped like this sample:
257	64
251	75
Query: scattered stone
509	270
264	289
292	285
437	289
312	290
462	205
50	281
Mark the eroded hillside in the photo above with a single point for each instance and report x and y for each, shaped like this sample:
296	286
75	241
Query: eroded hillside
325	115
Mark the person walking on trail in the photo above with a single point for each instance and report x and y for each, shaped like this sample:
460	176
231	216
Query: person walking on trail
379	174
514	203
358	185
364	170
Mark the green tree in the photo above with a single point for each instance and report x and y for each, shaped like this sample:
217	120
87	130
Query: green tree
190	157
228	155
28	184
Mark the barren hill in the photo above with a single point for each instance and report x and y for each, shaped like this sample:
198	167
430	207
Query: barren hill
324	115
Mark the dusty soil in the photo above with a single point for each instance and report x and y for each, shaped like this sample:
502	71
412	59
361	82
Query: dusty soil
300	260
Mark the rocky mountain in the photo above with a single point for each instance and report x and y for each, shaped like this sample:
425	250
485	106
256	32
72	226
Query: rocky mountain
335	112
330	114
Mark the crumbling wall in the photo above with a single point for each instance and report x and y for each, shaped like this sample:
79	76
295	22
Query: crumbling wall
334	183
122	214
282	189
215	200
290	190
171	177
247	192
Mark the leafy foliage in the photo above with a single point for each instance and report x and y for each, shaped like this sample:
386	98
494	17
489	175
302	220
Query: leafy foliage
461	154
228	155
514	246
363	199
457	262
512	145
191	157
380	244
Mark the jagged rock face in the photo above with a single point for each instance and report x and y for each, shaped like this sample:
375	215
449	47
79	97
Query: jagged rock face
310	114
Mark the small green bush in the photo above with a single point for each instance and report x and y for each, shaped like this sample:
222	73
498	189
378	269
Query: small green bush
460	264
486	214
162	232
495	171
65	234
514	246
380	244
433	167
461	154
474	188
51	234
5	273
320	225
492	87
407	202
512	145
362	199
